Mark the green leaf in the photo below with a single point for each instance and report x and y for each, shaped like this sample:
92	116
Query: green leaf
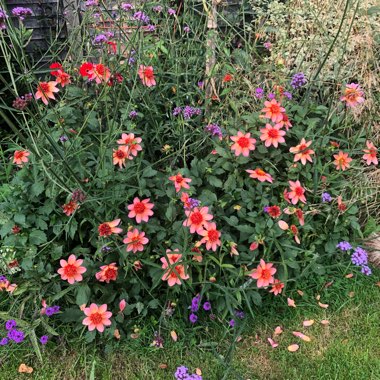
19	219
83	293
36	189
149	172
215	181
37	237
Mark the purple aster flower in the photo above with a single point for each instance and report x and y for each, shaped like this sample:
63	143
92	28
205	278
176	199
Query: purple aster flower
105	249
91	3
366	270
56	309
51	310
271	96
193	318
10	325
214	130
141	16
201	84
63	138
207	306
240	314
231	323
288	95
100	39
177	111
181	373
359	257
133	115
195	303
44	339
259	93
3	279
4	341
326	197
3	17
194	203
22	12
188	112
171	11
151	28
126	6
268	45
157	8
186	29
344	246
298	80
16	335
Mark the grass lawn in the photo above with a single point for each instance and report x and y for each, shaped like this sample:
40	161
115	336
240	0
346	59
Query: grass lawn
347	348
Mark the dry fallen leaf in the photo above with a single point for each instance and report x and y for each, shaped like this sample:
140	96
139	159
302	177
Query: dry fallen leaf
323	305
134	336
174	336
198	371
378	284
300	292
325	322
25	369
328	284
239	339
163	366
272	343
291	302
116	334
318	297
308	323
302	336
350	275
293	347
278	330
351	294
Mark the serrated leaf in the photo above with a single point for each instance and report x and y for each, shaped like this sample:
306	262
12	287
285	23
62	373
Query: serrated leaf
37	237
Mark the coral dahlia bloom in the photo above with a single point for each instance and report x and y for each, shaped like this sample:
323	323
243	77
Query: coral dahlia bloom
277	287
100	73
342	161
109	228
97	317
131	142
353	95
211	236
197	218
120	155
273	111
141	210
174	270
244	143
274	211
70	207
370	154
146	75
62	78
272	135
135	240
45	91
107	273
71	270
260	175
86	70
263	274
296	192
285	122
180	182
301	151
20	157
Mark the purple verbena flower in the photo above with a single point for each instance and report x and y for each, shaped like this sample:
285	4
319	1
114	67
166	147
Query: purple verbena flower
288	95
171	11
366	270
56	309
44	339
141	16
92	3
214	130
22	12
271	96
231	323
4	341
151	28
3	279
344	246
207	306
193	203
195	303
63	138
105	249
10	325
16	335
298	80
193	318
157	8
186	29
326	197
51	310
201	84
268	45
127	7
240	314
181	373
133	115
100	39
177	111
3	17
259	93
359	257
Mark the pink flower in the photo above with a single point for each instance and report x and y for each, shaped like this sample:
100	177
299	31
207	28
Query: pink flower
197	218
260	175
342	161
277	287
180	182
107	273
273	111
370	154
135	240
122	305
146	75
243	144
131	143
71	270
109	228
272	135
302	153
353	95
45	91
211	236
175	271
141	210
120	155
263	274
97	317
20	157
296	193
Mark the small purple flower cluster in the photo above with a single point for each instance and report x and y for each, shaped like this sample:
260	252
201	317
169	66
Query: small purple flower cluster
186	29
171	11
91	3
132	115
3	17
288	95
214	130
51	310
267	45
22	102
298	80
127	7
194	308
326	197
106	249
359	257
44	339
271	96
132	59
13	334
22	12
150	28
182	373
78	196
102	38
63	138
141	16
259	93
192	203
188	112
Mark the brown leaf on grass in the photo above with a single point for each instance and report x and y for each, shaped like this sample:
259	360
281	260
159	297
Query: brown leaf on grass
116	334
239	339
162	366
308	323
351	294
325	322
378	284
23	368
134	336
198	371
293	347
300	292
323	305
302	336
318	297
328	284
174	336
291	303
350	275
